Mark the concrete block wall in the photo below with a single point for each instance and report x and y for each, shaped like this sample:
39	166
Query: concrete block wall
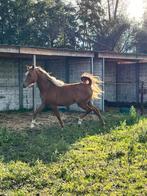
9	91
127	75
143	78
77	67
98	71
125	89
110	80
56	68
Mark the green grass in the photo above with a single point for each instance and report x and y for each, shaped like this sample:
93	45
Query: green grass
86	160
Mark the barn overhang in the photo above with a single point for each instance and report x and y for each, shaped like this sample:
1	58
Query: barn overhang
126	58
45	52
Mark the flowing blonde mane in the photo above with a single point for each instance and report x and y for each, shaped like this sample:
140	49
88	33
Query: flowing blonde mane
52	79
96	85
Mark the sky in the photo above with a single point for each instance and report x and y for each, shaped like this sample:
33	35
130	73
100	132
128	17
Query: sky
135	9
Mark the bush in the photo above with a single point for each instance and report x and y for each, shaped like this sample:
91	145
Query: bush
133	116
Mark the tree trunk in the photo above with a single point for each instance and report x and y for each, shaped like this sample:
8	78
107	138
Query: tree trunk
116	8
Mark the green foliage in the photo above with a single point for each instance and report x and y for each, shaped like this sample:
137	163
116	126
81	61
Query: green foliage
97	30
133	117
38	23
54	23
86	160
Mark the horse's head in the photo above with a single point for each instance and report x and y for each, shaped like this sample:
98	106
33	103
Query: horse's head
31	77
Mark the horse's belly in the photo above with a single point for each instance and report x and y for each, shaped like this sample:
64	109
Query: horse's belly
68	95
60	100
66	101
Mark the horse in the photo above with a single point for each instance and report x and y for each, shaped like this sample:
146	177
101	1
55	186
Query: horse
54	92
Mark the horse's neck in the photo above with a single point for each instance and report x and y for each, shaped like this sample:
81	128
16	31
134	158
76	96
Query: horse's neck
43	83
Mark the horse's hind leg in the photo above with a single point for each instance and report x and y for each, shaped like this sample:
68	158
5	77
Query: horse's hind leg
97	112
86	107
57	114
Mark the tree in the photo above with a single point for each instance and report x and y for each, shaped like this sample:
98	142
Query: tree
14	19
141	36
101	27
46	23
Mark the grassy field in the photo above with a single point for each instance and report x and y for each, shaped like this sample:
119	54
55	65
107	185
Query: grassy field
85	160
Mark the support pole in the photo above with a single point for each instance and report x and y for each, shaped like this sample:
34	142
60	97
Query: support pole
91	70
118	85
91	67
20	81
142	98
34	87
103	84
137	82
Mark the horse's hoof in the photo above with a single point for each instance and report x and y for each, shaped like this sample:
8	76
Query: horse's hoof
32	126
79	121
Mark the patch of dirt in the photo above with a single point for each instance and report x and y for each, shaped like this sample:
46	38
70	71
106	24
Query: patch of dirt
19	121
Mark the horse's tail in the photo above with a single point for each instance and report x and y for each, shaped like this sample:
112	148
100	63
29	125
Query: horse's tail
94	82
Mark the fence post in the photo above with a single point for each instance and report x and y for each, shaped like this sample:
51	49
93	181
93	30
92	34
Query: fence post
142	99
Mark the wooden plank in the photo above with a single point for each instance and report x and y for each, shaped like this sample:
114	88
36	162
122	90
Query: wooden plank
109	55
9	49
44	51
57	52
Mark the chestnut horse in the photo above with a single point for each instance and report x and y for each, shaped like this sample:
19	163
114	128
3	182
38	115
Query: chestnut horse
55	92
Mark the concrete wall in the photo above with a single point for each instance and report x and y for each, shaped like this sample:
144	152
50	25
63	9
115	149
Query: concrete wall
127	79
98	71
143	77
110	81
120	82
9	91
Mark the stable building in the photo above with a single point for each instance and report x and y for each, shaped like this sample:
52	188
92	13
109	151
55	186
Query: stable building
122	74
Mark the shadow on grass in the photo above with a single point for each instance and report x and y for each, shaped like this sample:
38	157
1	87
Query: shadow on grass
47	143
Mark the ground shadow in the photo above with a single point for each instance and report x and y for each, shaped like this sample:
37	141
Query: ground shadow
47	143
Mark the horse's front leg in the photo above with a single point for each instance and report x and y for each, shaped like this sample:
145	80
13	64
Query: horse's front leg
38	110
57	114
